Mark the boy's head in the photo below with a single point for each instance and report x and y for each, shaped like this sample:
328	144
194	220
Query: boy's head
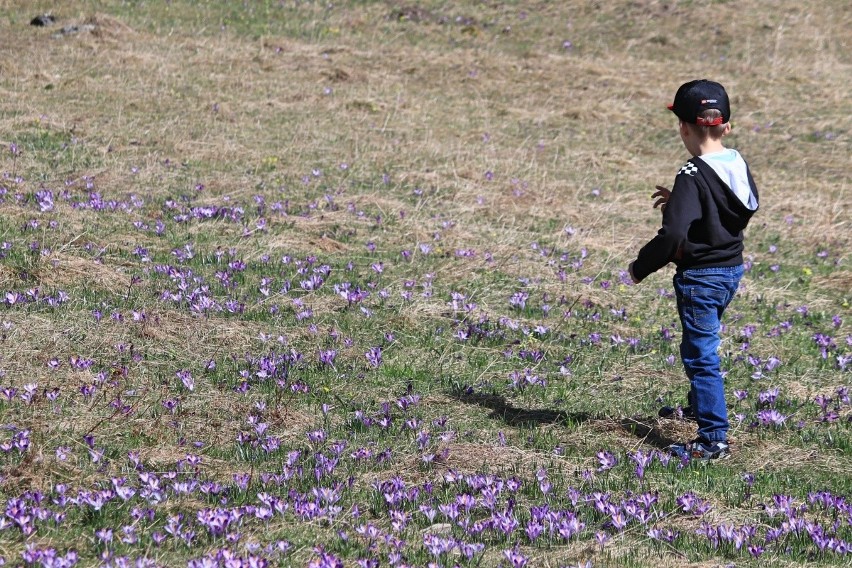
704	106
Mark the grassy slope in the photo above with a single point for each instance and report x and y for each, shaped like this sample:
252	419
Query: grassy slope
495	137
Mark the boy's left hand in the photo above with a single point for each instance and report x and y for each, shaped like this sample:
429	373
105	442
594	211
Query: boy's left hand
663	193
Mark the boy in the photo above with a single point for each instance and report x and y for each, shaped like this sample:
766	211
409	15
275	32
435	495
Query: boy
704	215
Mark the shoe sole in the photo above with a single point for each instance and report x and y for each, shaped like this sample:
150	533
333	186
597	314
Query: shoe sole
695	456
700	458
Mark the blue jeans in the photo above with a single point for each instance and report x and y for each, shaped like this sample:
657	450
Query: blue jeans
702	296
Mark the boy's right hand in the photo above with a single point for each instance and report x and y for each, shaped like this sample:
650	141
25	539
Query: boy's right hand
663	193
630	271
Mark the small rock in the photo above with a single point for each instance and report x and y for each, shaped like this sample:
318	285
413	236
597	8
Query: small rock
439	528
43	20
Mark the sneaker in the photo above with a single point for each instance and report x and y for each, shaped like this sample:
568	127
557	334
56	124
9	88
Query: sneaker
701	450
681	413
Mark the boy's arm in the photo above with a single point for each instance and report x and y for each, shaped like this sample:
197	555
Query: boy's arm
683	207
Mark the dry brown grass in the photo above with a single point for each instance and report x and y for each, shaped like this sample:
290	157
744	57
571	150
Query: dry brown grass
63	269
424	118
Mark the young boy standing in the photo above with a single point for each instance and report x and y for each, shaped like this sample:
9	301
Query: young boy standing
704	215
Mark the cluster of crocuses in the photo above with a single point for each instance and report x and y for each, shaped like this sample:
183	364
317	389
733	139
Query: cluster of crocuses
20	441
34	296
191	288
460	513
831	409
827	345
44	199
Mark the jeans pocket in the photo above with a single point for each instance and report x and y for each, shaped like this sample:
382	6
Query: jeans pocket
706	307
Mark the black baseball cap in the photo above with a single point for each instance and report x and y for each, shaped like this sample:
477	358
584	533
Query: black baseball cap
697	96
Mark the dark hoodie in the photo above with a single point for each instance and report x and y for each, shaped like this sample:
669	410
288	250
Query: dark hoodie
712	200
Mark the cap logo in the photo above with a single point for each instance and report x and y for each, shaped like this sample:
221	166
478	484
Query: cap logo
708	101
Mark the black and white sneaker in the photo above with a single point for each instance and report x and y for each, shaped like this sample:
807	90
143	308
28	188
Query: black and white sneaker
701	450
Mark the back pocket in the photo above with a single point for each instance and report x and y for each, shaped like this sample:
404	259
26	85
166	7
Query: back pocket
706	307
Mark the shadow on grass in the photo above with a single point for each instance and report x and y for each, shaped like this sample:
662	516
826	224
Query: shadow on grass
647	430
514	416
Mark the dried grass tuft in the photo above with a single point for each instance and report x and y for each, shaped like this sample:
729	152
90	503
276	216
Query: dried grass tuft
61	269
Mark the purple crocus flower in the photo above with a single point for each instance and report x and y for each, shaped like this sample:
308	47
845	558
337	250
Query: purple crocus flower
618	520
607	460
325	560
518	300
642	461
534	530
374	356
769	396
771	417
327	357
186	379
687	501
515	558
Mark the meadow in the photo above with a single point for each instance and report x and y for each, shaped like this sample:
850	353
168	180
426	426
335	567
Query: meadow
298	283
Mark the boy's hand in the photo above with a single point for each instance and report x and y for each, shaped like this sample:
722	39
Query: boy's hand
630	270
663	193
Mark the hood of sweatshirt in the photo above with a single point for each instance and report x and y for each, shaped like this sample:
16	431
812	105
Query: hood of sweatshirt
731	168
